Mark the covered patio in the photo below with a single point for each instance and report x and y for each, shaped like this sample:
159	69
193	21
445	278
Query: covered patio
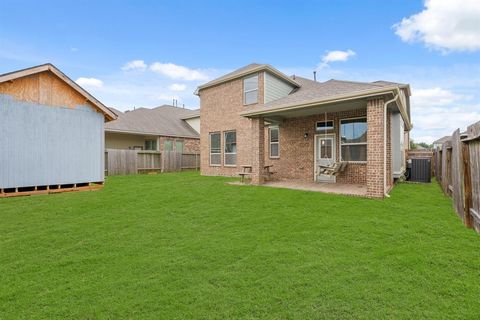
327	134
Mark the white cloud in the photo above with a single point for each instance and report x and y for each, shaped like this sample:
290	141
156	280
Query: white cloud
174	71
335	56
444	25
437	112
435	97
138	65
73	49
177	87
89	82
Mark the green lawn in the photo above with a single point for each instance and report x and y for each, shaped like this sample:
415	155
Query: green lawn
181	246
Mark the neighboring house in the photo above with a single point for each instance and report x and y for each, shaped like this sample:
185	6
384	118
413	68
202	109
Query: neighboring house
159	129
257	115
51	132
439	143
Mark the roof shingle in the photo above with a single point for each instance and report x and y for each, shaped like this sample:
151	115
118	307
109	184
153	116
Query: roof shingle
165	120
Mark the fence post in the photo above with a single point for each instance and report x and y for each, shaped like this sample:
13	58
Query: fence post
467	184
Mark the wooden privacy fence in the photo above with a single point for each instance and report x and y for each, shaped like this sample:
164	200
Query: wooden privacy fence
124	162
457	169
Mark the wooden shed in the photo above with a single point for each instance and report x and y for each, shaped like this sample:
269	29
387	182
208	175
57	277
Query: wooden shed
51	133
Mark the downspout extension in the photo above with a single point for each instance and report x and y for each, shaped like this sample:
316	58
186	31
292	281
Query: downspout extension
385	107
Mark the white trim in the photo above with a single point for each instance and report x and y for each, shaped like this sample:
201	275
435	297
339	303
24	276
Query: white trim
210	149
340	144
270	142
322	135
225	144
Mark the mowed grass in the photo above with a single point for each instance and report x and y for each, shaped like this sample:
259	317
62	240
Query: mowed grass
182	246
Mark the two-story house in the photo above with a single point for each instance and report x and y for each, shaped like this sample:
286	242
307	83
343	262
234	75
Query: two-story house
258	116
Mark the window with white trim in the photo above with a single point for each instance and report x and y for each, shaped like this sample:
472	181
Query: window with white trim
250	89
230	156
215	149
274	142
323	126
353	143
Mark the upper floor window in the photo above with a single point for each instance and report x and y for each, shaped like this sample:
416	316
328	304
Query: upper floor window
250	89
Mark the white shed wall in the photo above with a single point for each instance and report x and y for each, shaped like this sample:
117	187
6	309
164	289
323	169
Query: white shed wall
45	145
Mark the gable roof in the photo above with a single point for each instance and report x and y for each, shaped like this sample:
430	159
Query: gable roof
246	70
109	115
165	120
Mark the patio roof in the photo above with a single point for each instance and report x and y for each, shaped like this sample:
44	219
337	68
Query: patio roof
331	96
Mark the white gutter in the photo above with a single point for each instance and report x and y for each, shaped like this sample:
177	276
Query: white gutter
385	108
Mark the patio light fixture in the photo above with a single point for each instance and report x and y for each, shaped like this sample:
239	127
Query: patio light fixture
305	136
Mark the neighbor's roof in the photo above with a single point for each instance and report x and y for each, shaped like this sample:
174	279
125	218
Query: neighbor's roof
317	92
442	139
165	120
194	114
109	115
246	70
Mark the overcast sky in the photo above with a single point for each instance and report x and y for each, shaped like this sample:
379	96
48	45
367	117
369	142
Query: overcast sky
146	53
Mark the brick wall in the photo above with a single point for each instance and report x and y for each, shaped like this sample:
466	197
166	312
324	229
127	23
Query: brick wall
375	148
220	106
297	154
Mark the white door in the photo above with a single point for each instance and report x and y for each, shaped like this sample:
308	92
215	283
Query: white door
324	155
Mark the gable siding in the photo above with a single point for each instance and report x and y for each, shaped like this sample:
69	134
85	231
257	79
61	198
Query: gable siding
275	88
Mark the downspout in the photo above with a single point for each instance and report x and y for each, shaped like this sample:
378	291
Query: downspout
385	144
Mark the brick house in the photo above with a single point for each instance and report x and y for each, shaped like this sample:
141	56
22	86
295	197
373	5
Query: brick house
162	128
259	116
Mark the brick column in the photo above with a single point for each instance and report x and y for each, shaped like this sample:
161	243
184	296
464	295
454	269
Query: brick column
258	150
375	148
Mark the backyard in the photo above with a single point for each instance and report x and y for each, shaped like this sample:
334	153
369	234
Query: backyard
179	245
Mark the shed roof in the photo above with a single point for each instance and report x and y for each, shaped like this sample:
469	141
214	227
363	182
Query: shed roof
109	115
165	120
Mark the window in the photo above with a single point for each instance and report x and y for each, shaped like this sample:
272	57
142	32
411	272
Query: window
250	89
150	144
326	148
230	148
353	139
179	146
215	149
324	125
168	145
274	142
